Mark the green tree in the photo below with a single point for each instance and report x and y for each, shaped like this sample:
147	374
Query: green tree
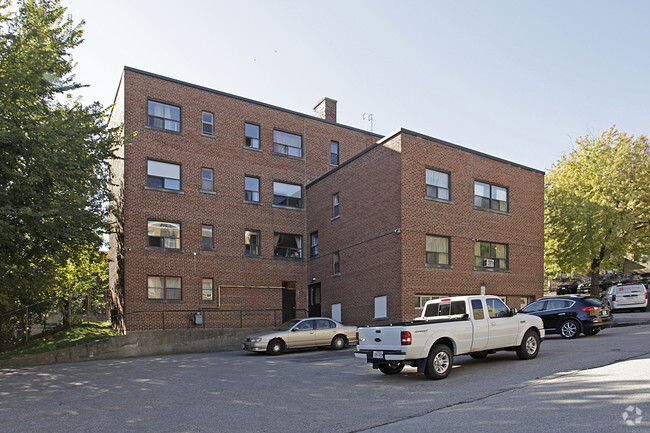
81	282
598	205
54	152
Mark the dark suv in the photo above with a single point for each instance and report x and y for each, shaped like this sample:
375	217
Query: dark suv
571	315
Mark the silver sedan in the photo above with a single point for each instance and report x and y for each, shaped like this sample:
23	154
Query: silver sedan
297	333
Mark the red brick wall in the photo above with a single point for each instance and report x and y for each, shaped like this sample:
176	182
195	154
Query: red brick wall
521	228
369	194
225	210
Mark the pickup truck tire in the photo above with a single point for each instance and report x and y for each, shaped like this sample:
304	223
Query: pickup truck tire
275	347
529	347
339	342
391	368
439	362
569	329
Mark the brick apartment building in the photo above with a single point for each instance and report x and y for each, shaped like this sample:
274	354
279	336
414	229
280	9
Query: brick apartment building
250	214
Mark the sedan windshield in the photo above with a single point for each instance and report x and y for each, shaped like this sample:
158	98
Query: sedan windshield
287	325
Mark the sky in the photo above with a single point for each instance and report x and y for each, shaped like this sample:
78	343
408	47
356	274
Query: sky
519	80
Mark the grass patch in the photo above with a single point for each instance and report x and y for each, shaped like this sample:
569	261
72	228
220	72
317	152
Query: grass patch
83	333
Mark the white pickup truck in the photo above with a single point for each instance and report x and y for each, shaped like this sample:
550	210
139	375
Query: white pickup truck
463	325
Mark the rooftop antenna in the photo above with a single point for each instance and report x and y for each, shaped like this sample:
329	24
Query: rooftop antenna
369	120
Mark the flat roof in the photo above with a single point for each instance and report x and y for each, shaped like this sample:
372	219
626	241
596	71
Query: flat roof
252	101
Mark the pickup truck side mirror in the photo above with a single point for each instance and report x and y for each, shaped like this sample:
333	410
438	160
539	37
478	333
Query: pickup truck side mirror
513	311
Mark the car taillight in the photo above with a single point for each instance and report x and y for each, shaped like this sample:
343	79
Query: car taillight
357	337
589	309
646	295
406	338
614	298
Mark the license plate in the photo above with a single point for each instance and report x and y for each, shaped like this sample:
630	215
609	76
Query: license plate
377	354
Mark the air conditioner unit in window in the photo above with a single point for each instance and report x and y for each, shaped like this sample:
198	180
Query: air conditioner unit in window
488	263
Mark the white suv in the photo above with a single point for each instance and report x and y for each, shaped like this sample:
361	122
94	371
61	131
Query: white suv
630	296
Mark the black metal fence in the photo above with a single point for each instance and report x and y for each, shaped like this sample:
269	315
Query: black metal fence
204	318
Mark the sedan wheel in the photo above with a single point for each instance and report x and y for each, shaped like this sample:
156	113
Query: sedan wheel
338	342
569	329
275	347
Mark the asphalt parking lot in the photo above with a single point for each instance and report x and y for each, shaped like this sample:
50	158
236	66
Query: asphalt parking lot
598	377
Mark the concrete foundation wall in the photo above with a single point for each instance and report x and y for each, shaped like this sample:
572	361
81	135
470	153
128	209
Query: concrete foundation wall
142	343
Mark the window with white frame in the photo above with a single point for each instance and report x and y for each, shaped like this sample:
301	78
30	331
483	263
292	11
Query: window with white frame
207	293
488	196
335	206
207	179
336	263
490	255
314	245
164	116
206	237
163	175
287	194
252	242
437	184
438	250
287	143
334	152
252	135
162	234
208	123
252	188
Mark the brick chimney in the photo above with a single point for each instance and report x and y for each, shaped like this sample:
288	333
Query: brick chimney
326	109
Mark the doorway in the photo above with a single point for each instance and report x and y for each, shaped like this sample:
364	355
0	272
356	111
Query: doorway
314	300
288	300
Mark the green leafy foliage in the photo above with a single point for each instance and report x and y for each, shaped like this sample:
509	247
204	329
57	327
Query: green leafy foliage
54	154
598	204
59	339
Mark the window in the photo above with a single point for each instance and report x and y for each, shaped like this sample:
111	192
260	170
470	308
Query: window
490	255
496	308
208	123
287	194
438	250
207	179
164	235
164	116
314	244
420	300
334	152
437	184
206	289
206	238
252	189
445	308
164	288
287	245
489	196
287	144
325	324
477	309
163	175
336	312
252	241
381	307
252	133
335	206
336	263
